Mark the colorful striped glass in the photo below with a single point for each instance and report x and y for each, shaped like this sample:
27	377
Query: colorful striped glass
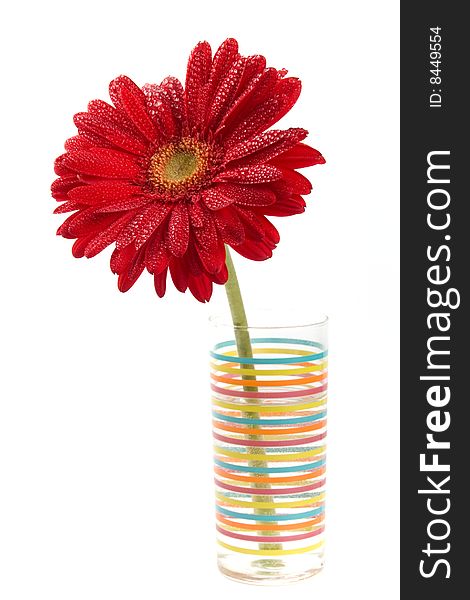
269	433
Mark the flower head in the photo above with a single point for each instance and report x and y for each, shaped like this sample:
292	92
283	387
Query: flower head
171	174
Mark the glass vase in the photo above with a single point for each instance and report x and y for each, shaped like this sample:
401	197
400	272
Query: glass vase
269	394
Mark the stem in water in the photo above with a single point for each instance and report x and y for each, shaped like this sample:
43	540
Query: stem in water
245	350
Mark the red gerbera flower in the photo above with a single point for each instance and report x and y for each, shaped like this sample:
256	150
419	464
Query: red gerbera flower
170	175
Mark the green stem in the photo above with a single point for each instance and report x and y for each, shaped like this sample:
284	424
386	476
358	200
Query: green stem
245	350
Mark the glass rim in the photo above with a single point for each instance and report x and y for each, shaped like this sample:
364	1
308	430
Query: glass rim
223	320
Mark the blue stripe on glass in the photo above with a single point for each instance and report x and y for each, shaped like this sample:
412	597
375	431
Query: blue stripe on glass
293	517
274	422
271	361
248	469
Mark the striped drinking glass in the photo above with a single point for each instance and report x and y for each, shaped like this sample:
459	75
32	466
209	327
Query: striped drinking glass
269	394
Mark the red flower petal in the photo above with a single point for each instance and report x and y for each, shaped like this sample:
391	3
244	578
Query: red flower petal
179	275
120	258
77	142
178	230
103	191
209	247
215	199
111	133
282	99
200	287
78	248
197	75
85	222
117	85
265	146
228	193
127	279
159	109
127	96
196	214
95	141
252	174
114	114
297	182
136	109
230	227
106	237
60	166
256	226
198	280
63	185
152	220
270	231
254	250
223	60
299	156
143	225
254	65
175	94
221	276
192	261
225	92
286	207
125	204
156	255
160	283
68	207
256	92
117	116
286	94
103	162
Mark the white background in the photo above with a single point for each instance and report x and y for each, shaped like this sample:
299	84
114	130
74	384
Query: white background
105	395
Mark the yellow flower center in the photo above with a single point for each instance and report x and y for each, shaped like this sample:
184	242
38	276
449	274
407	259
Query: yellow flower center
179	166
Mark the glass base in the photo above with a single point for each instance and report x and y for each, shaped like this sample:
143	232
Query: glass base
269	571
